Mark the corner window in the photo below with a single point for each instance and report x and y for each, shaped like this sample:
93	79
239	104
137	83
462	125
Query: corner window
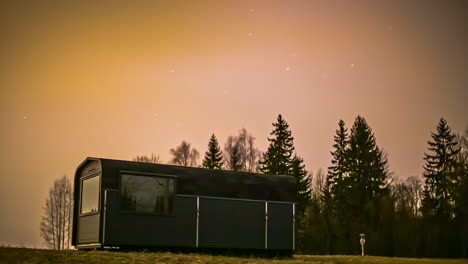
90	195
147	194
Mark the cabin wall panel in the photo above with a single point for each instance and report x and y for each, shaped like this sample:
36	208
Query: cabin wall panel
280	226
231	223
124	228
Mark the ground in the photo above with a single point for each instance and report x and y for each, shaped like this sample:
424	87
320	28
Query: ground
23	255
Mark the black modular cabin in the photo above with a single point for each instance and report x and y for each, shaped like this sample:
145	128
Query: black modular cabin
124	204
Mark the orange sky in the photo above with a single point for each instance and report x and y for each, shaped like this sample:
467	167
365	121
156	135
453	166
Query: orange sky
120	79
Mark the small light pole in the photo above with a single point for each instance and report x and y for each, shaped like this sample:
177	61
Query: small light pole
362	241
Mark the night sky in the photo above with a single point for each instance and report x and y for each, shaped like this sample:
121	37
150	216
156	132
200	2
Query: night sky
126	78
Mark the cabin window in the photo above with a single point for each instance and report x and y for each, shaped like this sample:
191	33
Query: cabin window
147	194
90	195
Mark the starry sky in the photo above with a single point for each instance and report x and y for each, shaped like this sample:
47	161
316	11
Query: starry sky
117	79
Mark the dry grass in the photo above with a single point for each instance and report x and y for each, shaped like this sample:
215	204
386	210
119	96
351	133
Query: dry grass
23	255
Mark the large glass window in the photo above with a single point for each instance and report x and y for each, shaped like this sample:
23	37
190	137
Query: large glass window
90	195
147	194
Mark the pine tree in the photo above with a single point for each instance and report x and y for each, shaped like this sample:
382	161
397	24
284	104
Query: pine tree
365	163
299	172
213	156
440	174
337	172
366	186
277	159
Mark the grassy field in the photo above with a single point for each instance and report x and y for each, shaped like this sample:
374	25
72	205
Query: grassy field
23	255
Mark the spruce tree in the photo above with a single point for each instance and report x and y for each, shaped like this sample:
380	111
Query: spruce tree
298	171
277	159
337	172
334	194
365	163
366	186
441	172
213	156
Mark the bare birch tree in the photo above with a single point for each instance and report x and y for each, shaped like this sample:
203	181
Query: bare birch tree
241	154
184	155
318	184
56	224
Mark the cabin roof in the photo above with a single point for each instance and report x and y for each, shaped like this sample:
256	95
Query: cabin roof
207	182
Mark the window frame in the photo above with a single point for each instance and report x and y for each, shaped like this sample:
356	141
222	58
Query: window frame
152	175
82	179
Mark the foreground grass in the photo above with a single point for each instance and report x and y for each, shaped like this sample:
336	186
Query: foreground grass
23	255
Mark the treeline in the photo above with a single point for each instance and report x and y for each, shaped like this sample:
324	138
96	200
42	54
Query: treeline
412	218
417	217
240	154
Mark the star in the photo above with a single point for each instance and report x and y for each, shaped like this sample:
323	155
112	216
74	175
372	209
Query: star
352	65
251	10
250	34
171	70
25	117
288	68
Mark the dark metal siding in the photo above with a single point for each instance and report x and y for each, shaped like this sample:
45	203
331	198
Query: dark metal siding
231	223
150	230
280	226
205	182
88	229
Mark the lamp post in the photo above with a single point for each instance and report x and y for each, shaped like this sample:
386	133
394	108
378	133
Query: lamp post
362	241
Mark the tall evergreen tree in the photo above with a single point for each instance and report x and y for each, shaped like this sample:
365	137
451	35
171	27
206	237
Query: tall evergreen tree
366	164
337	172
441	172
298	171
366	188
213	156
334	196
277	159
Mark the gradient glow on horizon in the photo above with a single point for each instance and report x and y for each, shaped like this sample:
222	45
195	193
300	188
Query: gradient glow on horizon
122	79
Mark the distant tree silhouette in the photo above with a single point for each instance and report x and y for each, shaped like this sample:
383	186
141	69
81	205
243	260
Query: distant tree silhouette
366	186
355	192
366	163
148	159
445	195
233	156
440	172
213	156
250	154
184	155
56	224
277	159
240	152
338	171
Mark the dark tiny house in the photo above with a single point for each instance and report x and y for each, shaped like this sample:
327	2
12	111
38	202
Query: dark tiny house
131	204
